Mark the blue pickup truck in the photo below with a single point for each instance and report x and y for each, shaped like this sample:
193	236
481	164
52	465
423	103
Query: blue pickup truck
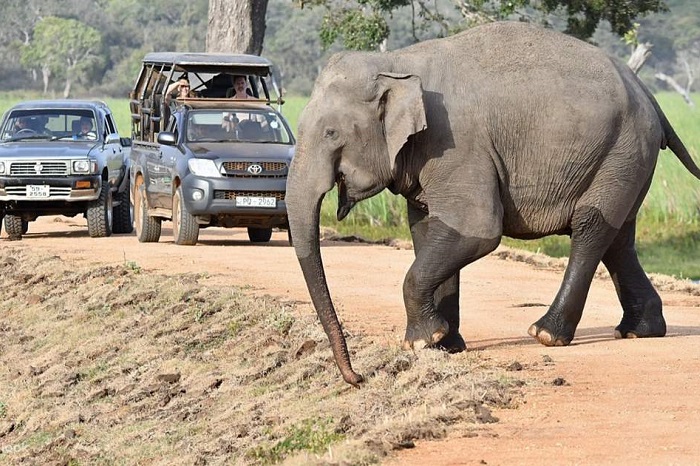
64	157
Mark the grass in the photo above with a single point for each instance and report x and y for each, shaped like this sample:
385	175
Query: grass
668	224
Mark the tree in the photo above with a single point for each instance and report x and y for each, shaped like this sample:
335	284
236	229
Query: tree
236	26
64	47
361	24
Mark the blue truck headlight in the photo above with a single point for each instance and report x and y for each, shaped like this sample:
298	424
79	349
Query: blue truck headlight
2	168
203	167
84	166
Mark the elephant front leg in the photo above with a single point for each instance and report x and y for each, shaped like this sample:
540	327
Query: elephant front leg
641	304
590	238
430	312
446	296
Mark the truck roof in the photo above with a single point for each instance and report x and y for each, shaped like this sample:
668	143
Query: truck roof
61	103
244	64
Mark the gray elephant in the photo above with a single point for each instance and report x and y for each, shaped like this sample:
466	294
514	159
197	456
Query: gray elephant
505	129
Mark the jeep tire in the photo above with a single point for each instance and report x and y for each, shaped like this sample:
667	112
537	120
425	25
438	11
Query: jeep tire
185	226
259	235
99	213
147	227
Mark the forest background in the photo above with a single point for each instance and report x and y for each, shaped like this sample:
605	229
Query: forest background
93	48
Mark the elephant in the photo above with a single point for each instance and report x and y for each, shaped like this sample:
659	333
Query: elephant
503	129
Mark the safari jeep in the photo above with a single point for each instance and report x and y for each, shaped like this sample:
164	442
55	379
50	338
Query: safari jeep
207	159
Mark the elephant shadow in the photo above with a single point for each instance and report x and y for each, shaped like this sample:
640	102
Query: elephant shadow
584	336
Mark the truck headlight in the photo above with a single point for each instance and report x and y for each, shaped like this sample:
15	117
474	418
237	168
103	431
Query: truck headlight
203	167
2	168
84	166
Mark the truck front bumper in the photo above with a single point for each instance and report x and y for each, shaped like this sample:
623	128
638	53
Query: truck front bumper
70	189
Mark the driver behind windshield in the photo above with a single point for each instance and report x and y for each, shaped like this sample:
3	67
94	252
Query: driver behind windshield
85	129
22	124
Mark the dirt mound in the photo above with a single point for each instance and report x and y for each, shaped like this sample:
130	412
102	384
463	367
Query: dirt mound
112	364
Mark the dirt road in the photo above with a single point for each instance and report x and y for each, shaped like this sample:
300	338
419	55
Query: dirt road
614	402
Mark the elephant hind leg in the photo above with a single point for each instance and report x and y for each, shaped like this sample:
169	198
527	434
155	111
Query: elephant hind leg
641	304
590	238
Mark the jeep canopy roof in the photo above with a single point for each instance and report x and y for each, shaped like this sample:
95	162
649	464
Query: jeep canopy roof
211	62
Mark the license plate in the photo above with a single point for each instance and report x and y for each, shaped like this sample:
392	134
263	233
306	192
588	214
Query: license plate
41	190
255	201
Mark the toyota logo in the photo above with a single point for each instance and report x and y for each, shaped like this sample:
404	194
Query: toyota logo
255	169
38	168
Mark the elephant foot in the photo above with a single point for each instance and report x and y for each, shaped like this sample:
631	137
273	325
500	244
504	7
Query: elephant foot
641	328
451	343
546	334
426	333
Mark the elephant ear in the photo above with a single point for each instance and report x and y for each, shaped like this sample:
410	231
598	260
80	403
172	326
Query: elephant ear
402	110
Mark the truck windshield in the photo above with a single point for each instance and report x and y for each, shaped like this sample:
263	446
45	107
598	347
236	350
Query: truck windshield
239	125
53	124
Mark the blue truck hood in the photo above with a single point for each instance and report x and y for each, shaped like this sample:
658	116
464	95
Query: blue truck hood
47	149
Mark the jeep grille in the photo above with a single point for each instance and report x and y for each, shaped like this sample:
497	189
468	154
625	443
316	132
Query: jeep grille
39	168
269	169
231	195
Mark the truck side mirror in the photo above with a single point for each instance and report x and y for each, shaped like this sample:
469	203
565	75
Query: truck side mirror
112	138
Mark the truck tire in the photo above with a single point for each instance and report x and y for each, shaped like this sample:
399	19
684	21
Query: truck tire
122	213
185	226
15	226
99	214
147	227
259	235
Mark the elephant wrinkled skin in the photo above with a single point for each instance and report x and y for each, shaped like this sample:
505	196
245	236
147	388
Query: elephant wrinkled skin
505	129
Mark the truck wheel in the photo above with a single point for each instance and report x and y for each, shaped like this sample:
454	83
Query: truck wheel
122	213
185	226
99	214
147	227
15	227
259	235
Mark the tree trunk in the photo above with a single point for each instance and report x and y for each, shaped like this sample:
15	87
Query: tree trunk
677	87
45	76
639	56
66	88
236	26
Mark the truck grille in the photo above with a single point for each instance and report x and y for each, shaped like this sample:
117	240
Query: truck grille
231	195
39	168
269	169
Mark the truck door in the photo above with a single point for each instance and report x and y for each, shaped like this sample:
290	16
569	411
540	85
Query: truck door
113	152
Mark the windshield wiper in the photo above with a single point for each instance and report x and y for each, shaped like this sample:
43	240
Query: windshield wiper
29	136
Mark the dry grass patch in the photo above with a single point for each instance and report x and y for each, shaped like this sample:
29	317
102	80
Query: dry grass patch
114	365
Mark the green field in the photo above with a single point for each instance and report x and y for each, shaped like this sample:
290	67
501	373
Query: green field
669	221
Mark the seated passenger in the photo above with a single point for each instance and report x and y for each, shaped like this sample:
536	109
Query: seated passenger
180	89
240	89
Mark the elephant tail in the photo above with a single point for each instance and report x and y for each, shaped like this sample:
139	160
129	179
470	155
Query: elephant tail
671	139
674	143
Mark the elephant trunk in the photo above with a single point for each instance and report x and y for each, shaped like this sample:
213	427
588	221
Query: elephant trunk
303	208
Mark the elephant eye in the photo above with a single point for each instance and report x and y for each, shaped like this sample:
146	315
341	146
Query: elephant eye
331	134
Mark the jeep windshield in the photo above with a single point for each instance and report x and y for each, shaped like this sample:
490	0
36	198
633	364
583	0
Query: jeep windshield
239	125
50	124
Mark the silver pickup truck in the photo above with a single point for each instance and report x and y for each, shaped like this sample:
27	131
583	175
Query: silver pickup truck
206	159
64	157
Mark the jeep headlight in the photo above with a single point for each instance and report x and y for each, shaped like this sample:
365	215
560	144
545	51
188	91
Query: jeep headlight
2	168
203	167
84	166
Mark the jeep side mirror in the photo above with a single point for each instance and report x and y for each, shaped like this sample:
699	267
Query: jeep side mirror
167	138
